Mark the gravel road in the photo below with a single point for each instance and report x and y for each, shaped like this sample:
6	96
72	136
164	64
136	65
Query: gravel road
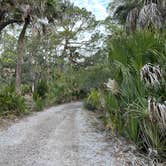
60	136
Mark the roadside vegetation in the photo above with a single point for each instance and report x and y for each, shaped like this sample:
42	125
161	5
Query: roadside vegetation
133	99
120	74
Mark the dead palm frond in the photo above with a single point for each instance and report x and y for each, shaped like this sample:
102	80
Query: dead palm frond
151	75
113	86
157	112
131	21
150	16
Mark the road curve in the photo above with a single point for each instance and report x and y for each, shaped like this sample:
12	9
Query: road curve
59	136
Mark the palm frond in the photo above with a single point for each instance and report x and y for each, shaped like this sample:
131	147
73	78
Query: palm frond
150	17
131	21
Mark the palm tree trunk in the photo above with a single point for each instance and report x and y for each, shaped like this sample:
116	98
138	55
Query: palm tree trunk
20	51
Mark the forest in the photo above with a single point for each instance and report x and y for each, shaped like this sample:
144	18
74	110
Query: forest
54	52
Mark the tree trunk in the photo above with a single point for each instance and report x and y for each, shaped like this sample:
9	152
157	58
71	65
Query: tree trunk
64	52
20	51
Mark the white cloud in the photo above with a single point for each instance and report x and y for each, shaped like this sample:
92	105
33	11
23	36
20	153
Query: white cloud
97	7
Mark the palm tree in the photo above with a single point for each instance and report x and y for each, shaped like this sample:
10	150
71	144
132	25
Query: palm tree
140	14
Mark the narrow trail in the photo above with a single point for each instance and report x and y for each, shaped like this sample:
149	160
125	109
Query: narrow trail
59	136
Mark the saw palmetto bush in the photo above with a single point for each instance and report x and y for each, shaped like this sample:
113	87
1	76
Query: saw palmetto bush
138	109
63	89
153	140
11	102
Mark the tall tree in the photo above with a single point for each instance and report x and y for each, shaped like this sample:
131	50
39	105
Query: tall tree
20	51
26	12
76	30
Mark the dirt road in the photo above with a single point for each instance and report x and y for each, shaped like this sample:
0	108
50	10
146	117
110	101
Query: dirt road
59	136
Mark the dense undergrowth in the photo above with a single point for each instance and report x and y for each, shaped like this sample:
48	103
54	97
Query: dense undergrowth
10	102
134	97
62	87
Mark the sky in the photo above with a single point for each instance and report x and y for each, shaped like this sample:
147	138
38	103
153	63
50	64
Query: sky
97	7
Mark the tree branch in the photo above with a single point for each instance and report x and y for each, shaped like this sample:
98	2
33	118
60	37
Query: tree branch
4	24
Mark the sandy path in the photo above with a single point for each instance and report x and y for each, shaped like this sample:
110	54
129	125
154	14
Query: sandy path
59	136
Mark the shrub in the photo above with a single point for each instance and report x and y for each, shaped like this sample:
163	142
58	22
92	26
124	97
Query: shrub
134	60
10	102
42	89
64	89
137	65
115	113
39	104
153	140
25	89
93	77
94	100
